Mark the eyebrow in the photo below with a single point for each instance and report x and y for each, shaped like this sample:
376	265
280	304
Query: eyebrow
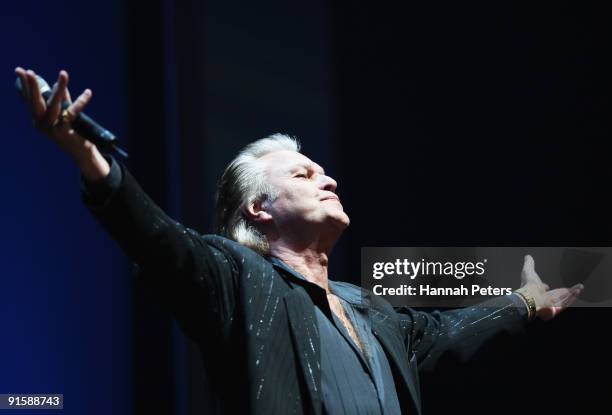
312	166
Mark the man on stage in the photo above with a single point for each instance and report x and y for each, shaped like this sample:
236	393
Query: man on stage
277	336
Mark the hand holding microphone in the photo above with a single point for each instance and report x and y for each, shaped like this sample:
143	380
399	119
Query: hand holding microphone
62	120
56	115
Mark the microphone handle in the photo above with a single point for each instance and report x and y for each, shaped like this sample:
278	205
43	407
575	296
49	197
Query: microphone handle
91	130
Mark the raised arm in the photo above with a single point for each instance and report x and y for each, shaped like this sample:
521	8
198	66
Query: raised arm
185	271
193	279
461	332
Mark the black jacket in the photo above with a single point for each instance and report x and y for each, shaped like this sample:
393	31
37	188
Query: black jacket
254	320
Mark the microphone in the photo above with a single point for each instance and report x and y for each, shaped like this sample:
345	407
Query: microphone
82	124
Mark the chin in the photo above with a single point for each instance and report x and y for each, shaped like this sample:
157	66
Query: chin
347	219
342	221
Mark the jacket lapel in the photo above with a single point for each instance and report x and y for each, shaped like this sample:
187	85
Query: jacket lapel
305	335
304	332
397	360
306	340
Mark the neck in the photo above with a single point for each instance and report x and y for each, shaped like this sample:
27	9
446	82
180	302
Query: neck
310	261
306	249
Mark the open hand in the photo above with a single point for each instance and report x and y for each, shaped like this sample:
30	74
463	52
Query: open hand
549	303
47	114
49	118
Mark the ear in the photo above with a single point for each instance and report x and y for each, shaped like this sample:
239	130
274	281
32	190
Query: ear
256	211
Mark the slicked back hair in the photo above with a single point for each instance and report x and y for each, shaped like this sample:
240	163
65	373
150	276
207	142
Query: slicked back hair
242	183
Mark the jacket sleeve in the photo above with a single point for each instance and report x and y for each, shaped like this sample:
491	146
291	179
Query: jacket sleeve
460	332
195	281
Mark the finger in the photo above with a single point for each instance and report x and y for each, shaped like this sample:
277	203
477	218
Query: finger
67	96
29	91
36	99
547	313
571	299
560	295
557	295
66	93
529	274
528	269
577	287
565	297
528	263
554	312
54	105
25	90
551	312
77	106
564	301
51	116
575	292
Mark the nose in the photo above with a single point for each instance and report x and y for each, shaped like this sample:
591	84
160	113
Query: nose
329	184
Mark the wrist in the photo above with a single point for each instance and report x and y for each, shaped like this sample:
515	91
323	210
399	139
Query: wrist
529	302
92	164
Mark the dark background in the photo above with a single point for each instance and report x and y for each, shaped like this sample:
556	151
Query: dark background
444	123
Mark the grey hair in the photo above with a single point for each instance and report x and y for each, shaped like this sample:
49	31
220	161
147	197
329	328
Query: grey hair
242	183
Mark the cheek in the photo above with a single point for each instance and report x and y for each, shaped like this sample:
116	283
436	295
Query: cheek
301	200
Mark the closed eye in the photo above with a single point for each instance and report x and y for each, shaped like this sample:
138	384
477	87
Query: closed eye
301	175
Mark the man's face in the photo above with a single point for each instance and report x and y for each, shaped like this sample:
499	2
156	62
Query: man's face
306	196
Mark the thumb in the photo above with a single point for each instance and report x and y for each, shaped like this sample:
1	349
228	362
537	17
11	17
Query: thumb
549	313
529	263
528	269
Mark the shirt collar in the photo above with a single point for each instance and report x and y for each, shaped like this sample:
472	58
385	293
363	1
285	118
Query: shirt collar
348	292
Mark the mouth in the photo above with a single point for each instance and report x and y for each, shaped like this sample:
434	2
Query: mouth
331	198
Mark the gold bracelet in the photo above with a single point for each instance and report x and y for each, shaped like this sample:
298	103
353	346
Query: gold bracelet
531	306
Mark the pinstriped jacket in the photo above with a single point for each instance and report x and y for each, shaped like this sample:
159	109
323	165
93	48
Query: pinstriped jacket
253	317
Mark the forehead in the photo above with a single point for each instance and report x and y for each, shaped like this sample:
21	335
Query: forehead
285	161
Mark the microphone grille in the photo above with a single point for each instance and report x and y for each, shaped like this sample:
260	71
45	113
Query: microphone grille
42	85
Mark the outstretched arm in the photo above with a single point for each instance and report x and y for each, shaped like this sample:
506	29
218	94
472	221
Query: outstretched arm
191	278
461	332
547	303
183	269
